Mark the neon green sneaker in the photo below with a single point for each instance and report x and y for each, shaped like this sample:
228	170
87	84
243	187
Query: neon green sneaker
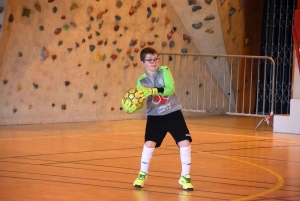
185	181
140	180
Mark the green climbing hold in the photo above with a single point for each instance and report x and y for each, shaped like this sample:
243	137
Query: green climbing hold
105	42
100	24
208	1
118	50
131	57
233	38
125	28
88	28
104	57
83	41
41	28
74	6
153	19
95	87
69	50
26	12
155	35
65	27
209	17
97	33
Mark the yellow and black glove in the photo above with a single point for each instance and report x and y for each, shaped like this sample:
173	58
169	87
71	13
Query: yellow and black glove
145	91
128	107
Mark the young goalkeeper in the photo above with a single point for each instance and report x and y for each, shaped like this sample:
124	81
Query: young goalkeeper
163	115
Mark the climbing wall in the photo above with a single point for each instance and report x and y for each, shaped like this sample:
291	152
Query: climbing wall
68	61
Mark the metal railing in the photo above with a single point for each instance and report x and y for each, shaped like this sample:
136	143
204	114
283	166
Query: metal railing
224	84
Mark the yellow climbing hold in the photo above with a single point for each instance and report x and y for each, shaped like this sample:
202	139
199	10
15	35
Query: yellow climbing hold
98	57
209	31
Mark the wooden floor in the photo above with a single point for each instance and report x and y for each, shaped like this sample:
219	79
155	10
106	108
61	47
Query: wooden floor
98	161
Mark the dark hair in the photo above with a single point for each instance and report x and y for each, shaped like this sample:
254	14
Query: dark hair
147	50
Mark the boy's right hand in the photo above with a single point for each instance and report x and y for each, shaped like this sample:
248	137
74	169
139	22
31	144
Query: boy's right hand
128	107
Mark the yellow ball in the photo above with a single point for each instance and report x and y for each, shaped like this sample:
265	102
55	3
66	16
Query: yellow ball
134	97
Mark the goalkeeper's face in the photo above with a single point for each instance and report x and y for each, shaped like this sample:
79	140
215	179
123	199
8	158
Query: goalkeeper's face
151	63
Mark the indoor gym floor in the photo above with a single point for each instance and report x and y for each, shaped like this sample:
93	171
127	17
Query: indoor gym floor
98	161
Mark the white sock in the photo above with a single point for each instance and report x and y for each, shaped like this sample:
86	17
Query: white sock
185	156
146	158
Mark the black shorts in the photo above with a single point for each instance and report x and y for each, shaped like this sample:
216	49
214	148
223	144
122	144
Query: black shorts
174	123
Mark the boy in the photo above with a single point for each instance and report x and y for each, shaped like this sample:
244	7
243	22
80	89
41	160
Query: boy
163	115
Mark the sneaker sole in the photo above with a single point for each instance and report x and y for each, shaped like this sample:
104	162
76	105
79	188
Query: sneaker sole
187	189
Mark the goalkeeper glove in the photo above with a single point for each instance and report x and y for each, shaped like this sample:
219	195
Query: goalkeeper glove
145	91
128	107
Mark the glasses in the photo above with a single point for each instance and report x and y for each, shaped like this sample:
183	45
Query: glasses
151	61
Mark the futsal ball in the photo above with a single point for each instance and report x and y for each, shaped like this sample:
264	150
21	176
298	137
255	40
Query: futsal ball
134	97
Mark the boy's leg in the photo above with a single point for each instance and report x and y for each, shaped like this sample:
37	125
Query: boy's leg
185	157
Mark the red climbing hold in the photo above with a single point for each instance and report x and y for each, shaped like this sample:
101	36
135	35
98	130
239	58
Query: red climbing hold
57	31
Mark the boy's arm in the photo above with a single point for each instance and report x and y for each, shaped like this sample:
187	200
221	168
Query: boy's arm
169	88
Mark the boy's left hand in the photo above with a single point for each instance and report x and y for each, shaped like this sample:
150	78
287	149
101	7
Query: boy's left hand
145	91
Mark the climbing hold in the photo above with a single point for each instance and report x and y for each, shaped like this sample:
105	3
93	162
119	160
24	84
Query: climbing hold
155	35
171	44
200	85
117	18
69	50
98	57
92	47
74	6
11	18
15	110
209	17
83	41
170	58
19	88
186	38
108	65
105	42
142	44
65	27
150	42
131	11
63	107
169	35
222	2
26	12
104	57
100	15
195	8
53	104
151	28
100	42
63	17
54	9
104	94
163	5
37	7
209	31
67	83
97	33
57	31
87	72
35	85
80	95
246	41
133	42
157	19
187	92
154	5
112	108
228	28
44	54
100	24
95	87
119	50
120	35
1	10
90	36
119	4
231	11
20	54
90	9
233	38
131	57
149	12
191	2
88	28
114	42
113	56
137	5
167	20
60	43
30	107
121	108
125	28
73	24
91	18
54	57
50	1
126	65
197	25
164	44
76	45
5	82
128	51
153	19
136	50
183	50
135	64
208	1
116	27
